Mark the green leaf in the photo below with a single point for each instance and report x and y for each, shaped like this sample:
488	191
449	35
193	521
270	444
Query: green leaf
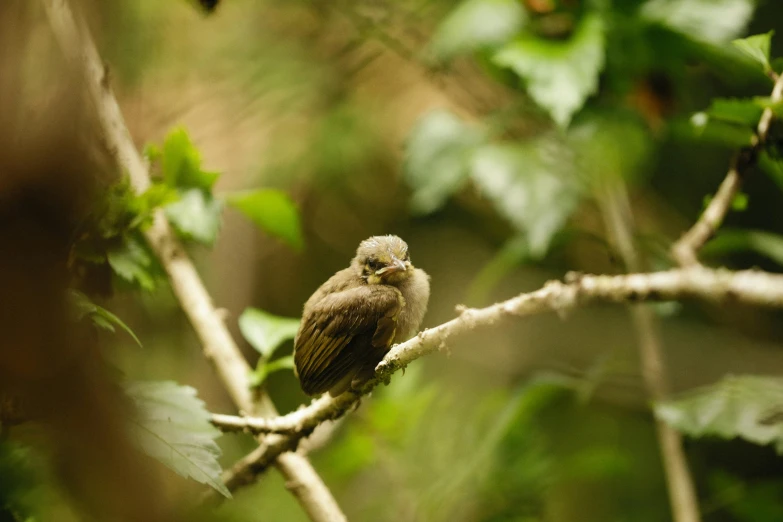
772	166
476	24
757	47
264	369
559	75
266	332
711	21
181	163
767	244
738	406
437	156
526	189
272	211
100	317
196	215
173	427
741	111
132	262
703	128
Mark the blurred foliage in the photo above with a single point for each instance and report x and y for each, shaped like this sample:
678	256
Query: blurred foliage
324	136
747	406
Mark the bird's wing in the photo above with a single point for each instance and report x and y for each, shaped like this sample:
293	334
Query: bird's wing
343	330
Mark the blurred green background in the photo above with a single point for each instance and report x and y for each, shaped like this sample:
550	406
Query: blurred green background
483	133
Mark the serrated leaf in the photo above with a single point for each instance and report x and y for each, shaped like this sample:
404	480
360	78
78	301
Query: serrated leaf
196	215
475	24
711	21
172	426
181	163
264	369
736	406
526	190
132	262
559	76
273	211
729	241
757	47
100	317
266	332
437	156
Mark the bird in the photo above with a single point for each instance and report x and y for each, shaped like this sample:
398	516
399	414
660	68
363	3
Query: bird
354	318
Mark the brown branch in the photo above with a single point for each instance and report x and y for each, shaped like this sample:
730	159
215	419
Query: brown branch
717	286
685	250
218	345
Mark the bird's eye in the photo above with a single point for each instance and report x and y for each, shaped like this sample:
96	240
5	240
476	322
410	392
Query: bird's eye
407	257
374	264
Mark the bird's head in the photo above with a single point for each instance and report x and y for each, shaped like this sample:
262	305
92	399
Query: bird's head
383	260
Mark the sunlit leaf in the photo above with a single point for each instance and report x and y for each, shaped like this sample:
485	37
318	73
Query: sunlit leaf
559	75
196	215
730	241
173	427
273	211
527	189
712	21
437	156
264	369
737	406
266	332
181	163
132	261
757	47
475	24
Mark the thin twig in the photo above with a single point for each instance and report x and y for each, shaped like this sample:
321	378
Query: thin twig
686	249
747	287
218	345
618	217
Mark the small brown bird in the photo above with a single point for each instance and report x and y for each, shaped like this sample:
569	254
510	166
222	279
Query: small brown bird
355	317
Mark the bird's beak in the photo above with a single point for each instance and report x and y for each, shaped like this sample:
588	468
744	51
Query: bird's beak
396	266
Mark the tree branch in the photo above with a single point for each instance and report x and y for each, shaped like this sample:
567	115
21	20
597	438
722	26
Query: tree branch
716	286
619	220
218	345
685	250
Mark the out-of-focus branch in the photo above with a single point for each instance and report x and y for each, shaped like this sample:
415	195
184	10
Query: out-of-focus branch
218	345
619	221
686	249
747	287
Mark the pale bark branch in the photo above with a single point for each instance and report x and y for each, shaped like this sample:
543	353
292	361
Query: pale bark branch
619	221
686	249
713	285
218	345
